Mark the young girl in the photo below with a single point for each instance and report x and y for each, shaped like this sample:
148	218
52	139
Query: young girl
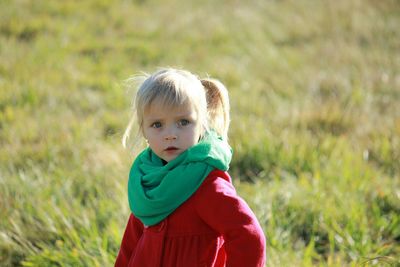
185	210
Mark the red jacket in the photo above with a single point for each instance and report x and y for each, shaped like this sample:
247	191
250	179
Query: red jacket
213	228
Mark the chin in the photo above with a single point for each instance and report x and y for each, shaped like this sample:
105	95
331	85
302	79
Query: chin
169	158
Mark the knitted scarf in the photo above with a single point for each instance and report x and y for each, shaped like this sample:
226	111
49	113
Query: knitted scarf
156	189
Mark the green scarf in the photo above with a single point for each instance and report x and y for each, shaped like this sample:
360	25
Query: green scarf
155	190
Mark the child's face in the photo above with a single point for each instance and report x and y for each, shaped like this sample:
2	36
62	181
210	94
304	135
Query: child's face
170	132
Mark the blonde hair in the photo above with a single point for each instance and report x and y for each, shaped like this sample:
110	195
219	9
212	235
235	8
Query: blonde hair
172	88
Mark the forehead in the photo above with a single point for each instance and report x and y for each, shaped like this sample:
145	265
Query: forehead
158	110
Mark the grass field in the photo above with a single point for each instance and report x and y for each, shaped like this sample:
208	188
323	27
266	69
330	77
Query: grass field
315	95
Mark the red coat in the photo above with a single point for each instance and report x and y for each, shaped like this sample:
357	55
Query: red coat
213	228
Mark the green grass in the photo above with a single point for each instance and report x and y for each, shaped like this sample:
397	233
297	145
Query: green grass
315	95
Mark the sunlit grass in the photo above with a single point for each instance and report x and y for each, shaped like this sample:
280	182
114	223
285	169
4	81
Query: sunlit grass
315	94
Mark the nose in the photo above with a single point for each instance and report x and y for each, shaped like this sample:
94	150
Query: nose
171	135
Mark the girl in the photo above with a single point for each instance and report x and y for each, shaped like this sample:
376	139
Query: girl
185	210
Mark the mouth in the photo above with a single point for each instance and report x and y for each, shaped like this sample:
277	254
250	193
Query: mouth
171	148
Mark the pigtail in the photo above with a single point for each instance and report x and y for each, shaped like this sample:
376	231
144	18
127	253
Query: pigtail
132	86
217	106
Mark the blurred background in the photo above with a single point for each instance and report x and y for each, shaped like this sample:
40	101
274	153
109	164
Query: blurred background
315	96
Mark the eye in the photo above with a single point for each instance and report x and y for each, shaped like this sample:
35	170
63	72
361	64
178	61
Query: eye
156	125
183	122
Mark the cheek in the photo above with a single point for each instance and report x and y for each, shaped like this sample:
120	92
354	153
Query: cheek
149	136
145	134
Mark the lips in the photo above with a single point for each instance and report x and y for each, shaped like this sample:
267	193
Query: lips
171	148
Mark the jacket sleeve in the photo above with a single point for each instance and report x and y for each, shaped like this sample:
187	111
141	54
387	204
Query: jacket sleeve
223	210
133	232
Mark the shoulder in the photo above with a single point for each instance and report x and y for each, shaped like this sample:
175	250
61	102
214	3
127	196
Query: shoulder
217	182
218	175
